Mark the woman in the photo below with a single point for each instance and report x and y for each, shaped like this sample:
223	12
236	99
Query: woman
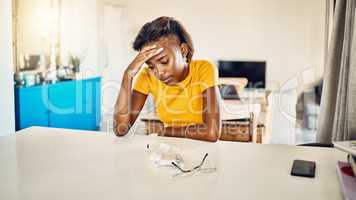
185	92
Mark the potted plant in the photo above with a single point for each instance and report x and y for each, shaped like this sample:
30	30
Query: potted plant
75	62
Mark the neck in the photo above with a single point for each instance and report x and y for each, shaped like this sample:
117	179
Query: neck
184	73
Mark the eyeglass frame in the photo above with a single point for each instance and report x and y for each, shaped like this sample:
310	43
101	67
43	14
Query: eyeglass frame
190	170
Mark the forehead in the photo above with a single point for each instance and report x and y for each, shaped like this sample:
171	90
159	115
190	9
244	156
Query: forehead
165	41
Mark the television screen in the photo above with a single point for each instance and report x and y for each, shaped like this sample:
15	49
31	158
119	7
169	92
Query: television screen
254	71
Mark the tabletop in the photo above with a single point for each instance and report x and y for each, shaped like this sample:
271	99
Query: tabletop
47	163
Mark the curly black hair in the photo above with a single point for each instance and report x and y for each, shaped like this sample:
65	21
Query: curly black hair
161	27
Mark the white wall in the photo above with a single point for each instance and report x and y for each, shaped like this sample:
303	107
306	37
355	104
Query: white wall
78	29
79	32
34	26
7	119
289	34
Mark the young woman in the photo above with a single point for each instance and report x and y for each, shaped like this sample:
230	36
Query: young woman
185	91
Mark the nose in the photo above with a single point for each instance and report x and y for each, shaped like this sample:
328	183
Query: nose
161	73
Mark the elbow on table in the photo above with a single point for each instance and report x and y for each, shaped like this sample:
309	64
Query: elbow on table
214	131
121	130
205	135
120	134
212	138
214	134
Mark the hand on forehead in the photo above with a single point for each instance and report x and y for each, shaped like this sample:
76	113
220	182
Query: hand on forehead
166	42
170	45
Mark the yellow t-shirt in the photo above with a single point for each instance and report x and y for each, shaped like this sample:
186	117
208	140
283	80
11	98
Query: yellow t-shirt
181	104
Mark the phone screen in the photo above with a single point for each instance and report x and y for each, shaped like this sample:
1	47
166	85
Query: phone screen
303	168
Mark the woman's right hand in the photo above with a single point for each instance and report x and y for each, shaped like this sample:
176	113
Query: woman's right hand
144	55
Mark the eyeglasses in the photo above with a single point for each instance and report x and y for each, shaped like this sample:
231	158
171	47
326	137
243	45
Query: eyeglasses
191	170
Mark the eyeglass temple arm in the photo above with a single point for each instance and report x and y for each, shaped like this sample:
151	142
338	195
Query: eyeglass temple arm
202	162
185	171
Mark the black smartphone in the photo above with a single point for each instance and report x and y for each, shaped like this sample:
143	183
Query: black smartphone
303	168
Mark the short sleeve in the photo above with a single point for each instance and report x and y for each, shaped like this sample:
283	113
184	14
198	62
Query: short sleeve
141	82
208	76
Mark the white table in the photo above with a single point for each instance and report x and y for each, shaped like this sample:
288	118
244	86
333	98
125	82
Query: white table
43	163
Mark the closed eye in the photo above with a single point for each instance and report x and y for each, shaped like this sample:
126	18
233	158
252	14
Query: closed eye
164	61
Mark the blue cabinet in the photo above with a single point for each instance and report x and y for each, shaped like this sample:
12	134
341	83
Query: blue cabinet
88	110
62	105
31	107
69	104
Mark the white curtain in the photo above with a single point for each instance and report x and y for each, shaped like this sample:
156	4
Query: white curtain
337	119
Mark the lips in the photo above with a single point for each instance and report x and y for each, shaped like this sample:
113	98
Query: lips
167	80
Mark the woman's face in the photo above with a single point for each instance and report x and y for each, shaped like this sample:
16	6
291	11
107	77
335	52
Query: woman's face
170	65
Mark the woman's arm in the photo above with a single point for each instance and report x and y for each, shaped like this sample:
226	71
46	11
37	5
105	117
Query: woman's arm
211	127
128	106
129	103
